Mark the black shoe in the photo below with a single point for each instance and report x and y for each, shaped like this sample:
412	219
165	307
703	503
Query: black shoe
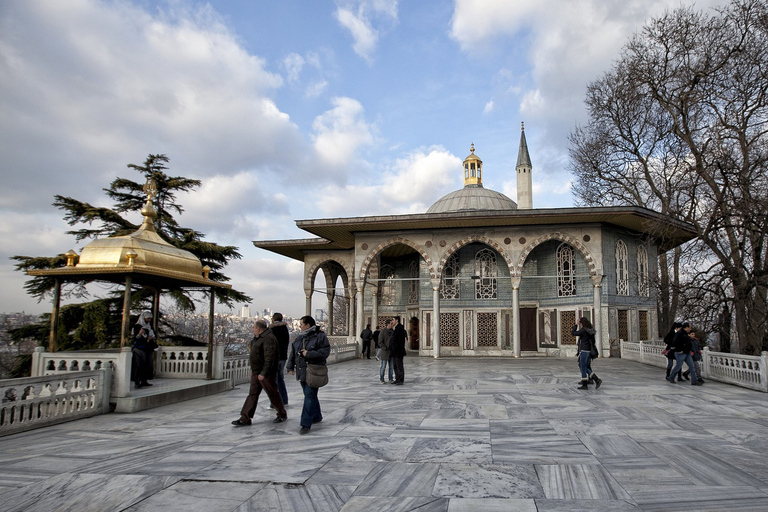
280	419
398	383
317	421
138	385
701	380
697	383
598	383
584	385
304	430
671	381
685	375
241	423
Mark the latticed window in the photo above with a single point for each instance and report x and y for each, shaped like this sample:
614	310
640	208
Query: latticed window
643	320
449	329
642	272
387	285
449	290
566	276
413	284
487	330
567	321
623	317
622	272
486	270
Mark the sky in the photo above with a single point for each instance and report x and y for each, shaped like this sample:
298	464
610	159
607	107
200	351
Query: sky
289	110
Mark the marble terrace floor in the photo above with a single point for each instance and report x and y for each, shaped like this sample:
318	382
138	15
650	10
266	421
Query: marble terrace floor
478	435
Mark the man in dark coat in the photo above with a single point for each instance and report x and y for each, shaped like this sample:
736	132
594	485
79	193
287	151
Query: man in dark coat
366	336
398	351
280	330
264	362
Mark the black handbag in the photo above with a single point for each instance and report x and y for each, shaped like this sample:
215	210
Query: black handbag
593	352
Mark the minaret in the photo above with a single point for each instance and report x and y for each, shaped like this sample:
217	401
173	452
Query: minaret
524	186
473	169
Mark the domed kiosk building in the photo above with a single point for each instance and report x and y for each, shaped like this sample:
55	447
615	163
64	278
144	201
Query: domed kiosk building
481	275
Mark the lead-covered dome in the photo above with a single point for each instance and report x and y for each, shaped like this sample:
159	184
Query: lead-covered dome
473	196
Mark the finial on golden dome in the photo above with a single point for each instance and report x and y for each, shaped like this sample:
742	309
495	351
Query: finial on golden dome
522	126
71	255
150	188
472	148
206	271
130	256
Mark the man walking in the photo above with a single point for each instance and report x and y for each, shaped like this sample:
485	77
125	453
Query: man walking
280	330
398	351
385	338
264	363
366	336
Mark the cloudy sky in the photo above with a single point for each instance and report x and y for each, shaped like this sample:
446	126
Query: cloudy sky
286	110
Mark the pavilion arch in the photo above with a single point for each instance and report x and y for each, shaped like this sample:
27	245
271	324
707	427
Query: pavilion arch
389	243
470	240
518	268
331	269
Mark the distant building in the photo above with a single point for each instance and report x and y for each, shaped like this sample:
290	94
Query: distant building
246	311
481	275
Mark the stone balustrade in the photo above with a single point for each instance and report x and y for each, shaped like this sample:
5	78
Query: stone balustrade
739	370
34	402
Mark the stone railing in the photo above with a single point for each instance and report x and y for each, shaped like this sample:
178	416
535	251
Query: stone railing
188	362
739	370
34	402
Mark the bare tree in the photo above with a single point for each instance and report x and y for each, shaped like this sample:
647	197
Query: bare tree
679	124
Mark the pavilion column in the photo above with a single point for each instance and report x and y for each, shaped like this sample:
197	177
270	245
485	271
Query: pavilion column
54	334
436	317
331	299
375	307
308	303
126	326
155	309
516	316
351	311
597	308
209	371
360	313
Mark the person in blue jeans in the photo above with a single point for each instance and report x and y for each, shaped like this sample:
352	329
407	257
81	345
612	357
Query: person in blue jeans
310	347
385	342
683	353
586	338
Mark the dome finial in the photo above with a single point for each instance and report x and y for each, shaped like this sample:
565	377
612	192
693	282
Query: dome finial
472	148
148	211
522	126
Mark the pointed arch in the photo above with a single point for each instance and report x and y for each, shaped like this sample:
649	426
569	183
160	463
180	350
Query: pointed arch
330	268
470	240
366	264
591	266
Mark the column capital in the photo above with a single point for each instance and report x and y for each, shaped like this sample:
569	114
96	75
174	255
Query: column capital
597	281
516	279
435	284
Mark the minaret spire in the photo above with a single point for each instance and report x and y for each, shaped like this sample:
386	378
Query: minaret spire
524	167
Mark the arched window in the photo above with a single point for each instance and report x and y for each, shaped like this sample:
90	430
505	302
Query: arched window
622	271
449	288
642	272
566	276
387	286
487	271
413	284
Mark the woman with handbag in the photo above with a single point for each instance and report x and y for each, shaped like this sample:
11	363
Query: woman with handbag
309	352
585	350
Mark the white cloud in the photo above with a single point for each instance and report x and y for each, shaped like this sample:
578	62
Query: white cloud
316	89
293	62
488	107
340	132
358	17
410	185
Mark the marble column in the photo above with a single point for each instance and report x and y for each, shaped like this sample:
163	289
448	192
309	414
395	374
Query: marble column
516	316
597	315
375	307
360	315
307	302
436	317
351	312
54	334
331	296
126	326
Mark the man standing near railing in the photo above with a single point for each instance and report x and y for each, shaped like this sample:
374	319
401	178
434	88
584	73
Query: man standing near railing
264	363
683	351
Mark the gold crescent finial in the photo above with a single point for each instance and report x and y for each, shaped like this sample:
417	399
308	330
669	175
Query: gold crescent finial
472	148
522	126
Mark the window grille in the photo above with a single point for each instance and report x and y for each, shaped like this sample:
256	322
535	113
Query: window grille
623	318
566	276
487	271
622	274
643	319
487	330
449	329
567	321
450	286
642	272
413	284
387	286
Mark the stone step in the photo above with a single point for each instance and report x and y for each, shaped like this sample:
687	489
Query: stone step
168	391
